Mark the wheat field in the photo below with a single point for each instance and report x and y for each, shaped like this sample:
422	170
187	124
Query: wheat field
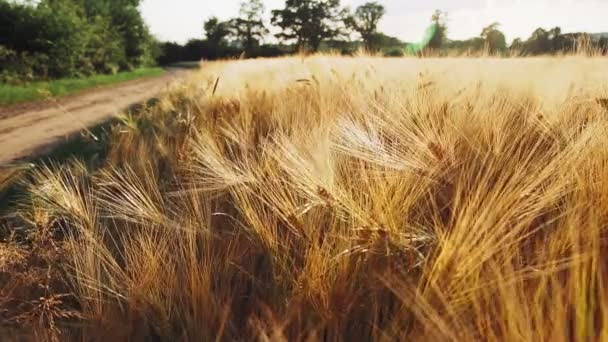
336	199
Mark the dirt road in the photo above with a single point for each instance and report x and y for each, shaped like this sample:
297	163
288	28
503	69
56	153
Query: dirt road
28	129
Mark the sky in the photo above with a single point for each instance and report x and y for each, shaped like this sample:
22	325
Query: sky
180	20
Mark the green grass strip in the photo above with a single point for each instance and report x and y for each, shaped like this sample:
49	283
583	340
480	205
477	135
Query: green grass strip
12	94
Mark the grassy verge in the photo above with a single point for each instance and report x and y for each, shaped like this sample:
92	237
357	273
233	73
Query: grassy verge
11	94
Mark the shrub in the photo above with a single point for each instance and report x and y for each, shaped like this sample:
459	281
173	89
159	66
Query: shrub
394	53
67	38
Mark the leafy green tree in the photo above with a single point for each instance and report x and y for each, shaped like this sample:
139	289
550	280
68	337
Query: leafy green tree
171	52
63	36
121	38
517	45
494	39
138	41
602	44
309	22
439	18
126	28
365	21
249	26
558	41
216	31
105	50
54	29
21	55
551	41
539	42
59	38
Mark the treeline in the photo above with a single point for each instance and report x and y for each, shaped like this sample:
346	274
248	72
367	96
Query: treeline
318	25
554	41
310	25
197	49
72	38
541	42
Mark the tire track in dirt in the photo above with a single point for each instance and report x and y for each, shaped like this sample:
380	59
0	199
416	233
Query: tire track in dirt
29	128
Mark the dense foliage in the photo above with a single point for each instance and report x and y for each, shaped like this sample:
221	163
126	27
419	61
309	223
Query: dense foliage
49	39
309	22
541	42
71	38
365	23
249	26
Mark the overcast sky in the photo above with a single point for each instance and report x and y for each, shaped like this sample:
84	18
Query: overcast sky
180	20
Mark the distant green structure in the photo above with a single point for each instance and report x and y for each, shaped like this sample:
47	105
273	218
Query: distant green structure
416	48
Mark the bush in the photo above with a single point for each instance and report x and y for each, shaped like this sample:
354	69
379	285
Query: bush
64	36
170	53
394	53
16	68
105	53
71	38
197	49
269	51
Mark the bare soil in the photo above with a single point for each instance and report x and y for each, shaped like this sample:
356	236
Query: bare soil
29	129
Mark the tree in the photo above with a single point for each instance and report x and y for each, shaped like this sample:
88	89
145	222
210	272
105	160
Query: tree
494	39
552	41
137	39
105	49
61	38
23	50
171	52
126	26
539	42
309	22
365	22
558	43
517	45
439	18
465	46
544	41
216	31
602	44
249	27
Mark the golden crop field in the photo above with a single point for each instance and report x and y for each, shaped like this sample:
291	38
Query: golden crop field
336	199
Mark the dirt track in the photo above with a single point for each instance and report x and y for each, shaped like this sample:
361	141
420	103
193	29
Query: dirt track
27	129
